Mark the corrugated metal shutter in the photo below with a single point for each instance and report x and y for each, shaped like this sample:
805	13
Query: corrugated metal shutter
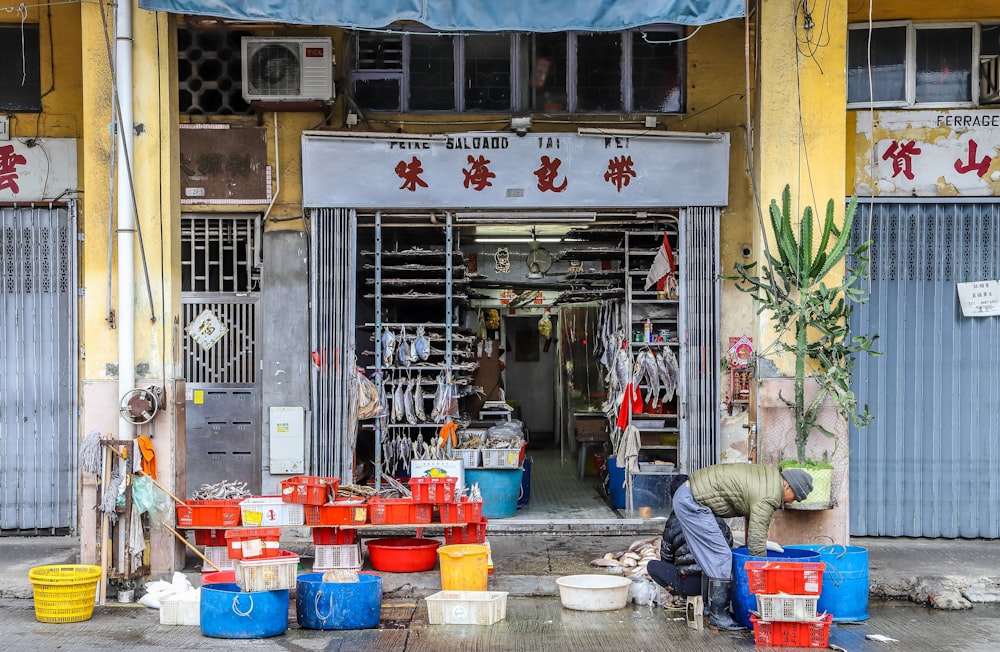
700	354
38	378
927	466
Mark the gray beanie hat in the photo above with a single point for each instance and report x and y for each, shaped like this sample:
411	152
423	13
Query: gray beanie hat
800	482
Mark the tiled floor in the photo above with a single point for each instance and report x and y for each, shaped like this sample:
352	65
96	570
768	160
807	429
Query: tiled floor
557	492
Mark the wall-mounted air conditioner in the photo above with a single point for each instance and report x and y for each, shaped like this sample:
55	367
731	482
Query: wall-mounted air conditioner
287	69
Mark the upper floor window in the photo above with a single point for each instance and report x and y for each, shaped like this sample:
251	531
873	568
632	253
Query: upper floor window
909	64
608	72
20	76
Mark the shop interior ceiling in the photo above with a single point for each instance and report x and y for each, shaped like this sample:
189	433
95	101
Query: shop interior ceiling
598	231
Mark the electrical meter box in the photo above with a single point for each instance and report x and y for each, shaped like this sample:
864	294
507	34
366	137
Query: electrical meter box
288	439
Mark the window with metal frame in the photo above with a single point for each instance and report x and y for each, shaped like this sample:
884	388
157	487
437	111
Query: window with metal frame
210	72
20	76
902	64
640	70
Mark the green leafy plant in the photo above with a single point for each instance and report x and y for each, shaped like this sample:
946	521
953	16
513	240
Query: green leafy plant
817	316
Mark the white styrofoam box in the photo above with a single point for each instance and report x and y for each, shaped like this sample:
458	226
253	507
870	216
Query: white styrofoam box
440	469
466	607
181	609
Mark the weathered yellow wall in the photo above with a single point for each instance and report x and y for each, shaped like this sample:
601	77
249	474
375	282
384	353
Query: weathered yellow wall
59	41
800	142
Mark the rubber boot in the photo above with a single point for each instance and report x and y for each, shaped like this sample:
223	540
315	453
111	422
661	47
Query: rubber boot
718	606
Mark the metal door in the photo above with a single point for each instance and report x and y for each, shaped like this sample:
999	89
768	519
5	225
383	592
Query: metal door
38	378
926	467
220	264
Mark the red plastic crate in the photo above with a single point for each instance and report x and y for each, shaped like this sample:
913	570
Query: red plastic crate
792	577
389	511
309	489
213	537
342	512
471	533
209	513
334	536
792	633
253	542
463	511
433	490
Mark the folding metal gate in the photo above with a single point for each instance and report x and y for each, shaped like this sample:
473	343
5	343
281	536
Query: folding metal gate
701	351
927	466
38	377
220	265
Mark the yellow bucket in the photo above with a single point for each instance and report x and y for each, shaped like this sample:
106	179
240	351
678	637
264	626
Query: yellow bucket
64	593
463	567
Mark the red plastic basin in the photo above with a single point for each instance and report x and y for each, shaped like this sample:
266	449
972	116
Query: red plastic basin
219	577
403	555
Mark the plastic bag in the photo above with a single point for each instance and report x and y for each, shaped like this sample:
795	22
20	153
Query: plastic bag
151	500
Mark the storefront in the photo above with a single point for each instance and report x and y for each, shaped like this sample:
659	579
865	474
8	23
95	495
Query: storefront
523	260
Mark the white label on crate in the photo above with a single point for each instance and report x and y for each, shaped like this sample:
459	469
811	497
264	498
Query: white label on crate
459	612
811	584
253	548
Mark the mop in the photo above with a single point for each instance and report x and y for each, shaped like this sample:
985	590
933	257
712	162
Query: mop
91	453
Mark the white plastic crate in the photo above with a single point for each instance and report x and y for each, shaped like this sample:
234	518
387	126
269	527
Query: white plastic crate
336	557
501	458
271	511
218	555
466	607
268	574
785	607
176	610
469	456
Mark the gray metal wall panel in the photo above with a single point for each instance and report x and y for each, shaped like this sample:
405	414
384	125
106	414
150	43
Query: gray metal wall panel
38	344
926	466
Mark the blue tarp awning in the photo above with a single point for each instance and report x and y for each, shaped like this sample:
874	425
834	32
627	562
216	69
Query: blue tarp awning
465	15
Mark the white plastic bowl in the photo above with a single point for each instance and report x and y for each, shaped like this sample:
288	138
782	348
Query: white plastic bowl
593	592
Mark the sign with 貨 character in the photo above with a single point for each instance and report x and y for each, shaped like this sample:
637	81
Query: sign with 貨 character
980	298
928	153
224	165
206	329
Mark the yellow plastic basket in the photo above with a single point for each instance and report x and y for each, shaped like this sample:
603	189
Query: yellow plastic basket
64	593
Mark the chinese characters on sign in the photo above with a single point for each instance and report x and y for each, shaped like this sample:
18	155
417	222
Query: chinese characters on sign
8	168
929	153
206	329
223	166
979	298
494	170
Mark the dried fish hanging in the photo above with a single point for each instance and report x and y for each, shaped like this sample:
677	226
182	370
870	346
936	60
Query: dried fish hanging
421	345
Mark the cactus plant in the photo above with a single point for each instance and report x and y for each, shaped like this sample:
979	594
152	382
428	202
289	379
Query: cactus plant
791	286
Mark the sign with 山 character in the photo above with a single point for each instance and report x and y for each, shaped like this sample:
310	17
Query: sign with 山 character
206	329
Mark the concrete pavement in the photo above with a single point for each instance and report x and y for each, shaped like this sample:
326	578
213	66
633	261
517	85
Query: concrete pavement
962	577
942	573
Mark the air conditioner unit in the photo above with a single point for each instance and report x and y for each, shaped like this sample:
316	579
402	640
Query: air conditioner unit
287	69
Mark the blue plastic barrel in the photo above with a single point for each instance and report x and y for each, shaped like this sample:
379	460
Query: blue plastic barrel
228	612
499	488
338	605
845	581
616	483
743	600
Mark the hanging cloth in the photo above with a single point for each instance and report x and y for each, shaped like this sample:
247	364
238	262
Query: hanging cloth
663	269
147	456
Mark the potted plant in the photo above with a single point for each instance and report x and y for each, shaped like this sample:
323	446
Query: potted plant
812	320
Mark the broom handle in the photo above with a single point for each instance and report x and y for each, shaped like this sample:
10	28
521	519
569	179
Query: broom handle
189	545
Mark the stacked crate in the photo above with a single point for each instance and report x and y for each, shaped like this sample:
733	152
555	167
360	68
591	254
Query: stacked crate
787	593
450	507
217	516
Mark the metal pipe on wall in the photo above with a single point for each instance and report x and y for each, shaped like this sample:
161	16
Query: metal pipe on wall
126	209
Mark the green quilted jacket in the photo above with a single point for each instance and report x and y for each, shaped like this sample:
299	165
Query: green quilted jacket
732	490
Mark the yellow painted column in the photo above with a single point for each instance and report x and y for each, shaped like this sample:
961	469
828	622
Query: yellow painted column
154	175
799	140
